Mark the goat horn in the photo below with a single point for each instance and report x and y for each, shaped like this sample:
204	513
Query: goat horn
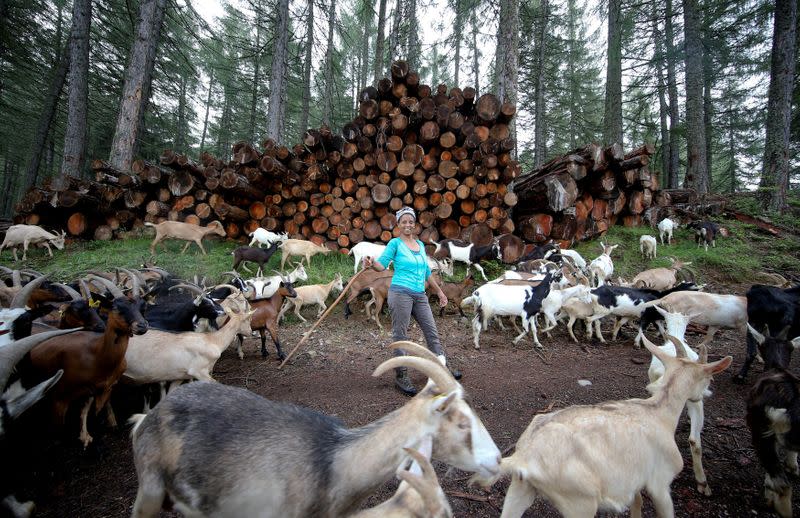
11	353
233	288
232	274
136	282
16	278
72	293
414	349
425	484
87	293
160	271
191	287
680	352
433	369
110	286
703	353
22	296
32	273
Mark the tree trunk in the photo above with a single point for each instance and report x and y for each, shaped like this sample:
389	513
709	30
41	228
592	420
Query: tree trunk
307	68
208	110
507	51
278	75
672	92
46	119
137	74
328	97
775	171
75	135
181	128
539	136
379	51
458	31
251	129
696	172
663	109
475	51
612	118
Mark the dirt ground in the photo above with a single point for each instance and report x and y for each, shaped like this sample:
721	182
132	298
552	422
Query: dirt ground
508	384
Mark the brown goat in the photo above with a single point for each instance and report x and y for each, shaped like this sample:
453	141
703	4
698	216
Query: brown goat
186	231
265	318
455	292
92	362
361	286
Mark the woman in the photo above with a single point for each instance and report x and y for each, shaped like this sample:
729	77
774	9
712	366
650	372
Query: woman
407	291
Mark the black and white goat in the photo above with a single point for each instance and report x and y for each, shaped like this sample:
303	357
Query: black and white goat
466	253
705	233
492	300
773	415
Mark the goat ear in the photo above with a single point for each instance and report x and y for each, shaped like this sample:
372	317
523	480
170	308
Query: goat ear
795	342
442	403
758	336
655	351
718	366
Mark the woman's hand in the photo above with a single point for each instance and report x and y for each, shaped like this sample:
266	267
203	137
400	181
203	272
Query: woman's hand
442	299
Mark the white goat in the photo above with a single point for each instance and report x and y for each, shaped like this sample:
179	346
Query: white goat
292	247
184	231
578	307
708	309
555	300
659	279
365	249
665	228
27	235
262	236
591	457
577	259
313	294
676	330
275	464
158	356
648	246
265	287
602	267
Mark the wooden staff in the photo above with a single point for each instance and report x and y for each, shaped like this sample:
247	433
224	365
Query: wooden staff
307	334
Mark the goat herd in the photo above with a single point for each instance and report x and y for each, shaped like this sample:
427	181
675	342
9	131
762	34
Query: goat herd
217	450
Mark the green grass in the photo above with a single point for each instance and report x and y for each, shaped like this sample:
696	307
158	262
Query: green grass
735	259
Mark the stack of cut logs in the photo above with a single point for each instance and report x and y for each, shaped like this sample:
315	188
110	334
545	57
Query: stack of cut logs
581	194
444	152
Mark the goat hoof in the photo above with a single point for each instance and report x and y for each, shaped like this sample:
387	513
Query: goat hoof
703	489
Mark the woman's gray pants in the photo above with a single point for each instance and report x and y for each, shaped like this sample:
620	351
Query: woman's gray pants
402	305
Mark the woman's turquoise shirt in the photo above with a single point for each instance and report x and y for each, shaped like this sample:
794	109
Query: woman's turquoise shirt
410	268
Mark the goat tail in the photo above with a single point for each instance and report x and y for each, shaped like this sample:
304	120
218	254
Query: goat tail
136	421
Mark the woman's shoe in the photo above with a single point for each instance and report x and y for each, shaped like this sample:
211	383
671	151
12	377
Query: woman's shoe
403	383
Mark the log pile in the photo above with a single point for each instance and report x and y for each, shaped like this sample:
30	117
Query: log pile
581	194
445	152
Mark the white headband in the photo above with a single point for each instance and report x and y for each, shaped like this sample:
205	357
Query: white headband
405	210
